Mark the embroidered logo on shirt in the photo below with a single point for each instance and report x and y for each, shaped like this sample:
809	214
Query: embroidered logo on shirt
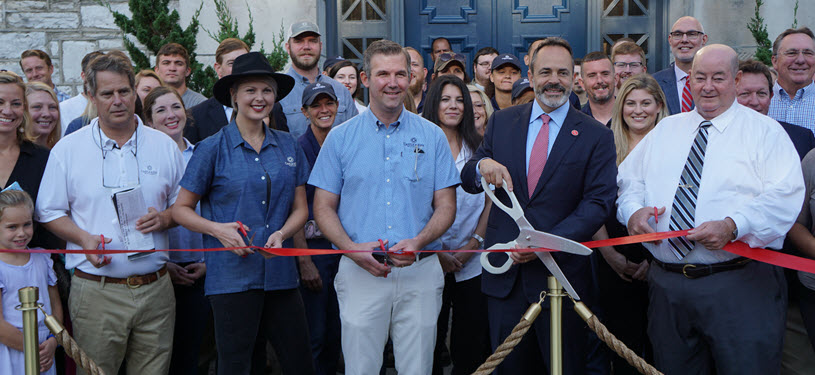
290	162
149	171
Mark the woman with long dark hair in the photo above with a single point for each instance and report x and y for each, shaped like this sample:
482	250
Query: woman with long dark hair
448	105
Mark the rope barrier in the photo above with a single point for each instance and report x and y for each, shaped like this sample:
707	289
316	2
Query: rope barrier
71	347
506	347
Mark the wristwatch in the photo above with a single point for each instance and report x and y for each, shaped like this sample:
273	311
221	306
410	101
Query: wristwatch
480	240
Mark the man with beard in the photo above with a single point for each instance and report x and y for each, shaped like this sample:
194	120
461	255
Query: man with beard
565	180
418	72
687	36
304	46
598	79
578	89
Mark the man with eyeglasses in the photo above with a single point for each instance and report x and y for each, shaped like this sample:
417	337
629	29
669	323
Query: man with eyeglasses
629	60
794	93
122	305
687	36
481	66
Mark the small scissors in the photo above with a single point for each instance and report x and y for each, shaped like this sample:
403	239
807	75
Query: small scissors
242	229
531	238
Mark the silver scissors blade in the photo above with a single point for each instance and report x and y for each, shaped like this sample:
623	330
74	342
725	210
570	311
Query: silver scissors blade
533	238
550	263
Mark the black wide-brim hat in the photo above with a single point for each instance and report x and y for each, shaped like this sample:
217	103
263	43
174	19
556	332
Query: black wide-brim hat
252	64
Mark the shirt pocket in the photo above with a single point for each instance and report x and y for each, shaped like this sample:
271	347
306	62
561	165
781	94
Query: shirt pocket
416	165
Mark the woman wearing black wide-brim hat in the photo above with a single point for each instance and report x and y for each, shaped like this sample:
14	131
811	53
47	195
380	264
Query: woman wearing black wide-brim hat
250	181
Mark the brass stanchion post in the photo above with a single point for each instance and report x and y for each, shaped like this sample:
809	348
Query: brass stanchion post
31	348
555	326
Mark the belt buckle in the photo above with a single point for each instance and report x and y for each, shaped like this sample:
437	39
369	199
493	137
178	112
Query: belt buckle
132	286
685	270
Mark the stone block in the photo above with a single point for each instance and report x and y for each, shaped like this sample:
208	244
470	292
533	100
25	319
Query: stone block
72	54
108	44
12	66
43	20
27	5
98	16
64	5
11	44
53	48
70	90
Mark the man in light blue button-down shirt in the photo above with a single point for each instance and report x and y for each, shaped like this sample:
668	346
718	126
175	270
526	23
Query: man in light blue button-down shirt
387	175
304	46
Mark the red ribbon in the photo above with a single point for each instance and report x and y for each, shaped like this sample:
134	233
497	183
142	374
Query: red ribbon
739	248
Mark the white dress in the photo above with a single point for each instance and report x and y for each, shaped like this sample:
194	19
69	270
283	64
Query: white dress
37	272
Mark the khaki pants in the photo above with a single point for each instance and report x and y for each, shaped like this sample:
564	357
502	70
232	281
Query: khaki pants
113	322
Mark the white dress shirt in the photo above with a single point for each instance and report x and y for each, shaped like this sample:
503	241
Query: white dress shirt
468	211
751	174
72	186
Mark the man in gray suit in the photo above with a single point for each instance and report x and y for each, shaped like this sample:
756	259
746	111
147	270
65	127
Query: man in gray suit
687	36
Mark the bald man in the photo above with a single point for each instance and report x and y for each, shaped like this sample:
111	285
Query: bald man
687	36
727	173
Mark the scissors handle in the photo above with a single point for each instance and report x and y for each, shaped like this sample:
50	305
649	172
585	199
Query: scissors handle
515	212
485	260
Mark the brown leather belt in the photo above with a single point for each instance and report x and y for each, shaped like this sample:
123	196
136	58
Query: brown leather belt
693	271
134	281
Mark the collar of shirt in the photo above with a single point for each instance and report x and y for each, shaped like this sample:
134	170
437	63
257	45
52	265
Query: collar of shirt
303	80
369	117
228	112
808	90
190	147
235	139
721	121
108	144
680	76
558	115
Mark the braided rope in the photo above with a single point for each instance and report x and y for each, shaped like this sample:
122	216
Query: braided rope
505	348
619	347
74	351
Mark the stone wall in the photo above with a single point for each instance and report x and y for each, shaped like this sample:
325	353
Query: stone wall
65	29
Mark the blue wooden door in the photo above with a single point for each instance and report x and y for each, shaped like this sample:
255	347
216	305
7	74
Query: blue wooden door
507	25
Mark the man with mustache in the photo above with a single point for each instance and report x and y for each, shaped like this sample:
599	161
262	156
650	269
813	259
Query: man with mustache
686	37
304	46
564	178
598	80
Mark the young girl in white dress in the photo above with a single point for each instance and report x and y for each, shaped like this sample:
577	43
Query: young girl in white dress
18	270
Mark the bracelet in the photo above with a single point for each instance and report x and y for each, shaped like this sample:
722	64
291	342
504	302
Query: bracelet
479	239
281	233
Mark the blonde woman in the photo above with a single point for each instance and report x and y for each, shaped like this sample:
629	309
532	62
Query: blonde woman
482	108
621	270
43	106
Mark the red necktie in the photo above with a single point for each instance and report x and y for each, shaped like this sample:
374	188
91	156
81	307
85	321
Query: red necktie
537	158
687	99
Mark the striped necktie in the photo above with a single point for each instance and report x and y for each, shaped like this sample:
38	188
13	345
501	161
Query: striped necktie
687	99
684	205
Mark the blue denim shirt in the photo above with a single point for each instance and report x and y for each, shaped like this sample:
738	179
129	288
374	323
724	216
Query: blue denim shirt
297	122
385	176
238	184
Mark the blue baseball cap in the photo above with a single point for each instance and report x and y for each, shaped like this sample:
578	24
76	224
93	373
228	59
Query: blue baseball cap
312	91
519	87
504	59
329	62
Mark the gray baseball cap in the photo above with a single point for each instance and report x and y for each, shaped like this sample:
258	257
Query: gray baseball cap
300	27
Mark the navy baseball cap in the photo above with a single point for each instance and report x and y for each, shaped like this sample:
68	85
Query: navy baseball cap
316	89
519	87
505	58
329	62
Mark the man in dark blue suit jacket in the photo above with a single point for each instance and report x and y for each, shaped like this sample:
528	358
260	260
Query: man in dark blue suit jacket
572	198
687	36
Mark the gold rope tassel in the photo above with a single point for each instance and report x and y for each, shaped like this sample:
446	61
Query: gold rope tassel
512	340
612	341
71	347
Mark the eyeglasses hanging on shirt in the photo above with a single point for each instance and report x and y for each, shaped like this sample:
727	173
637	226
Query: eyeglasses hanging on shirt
120	166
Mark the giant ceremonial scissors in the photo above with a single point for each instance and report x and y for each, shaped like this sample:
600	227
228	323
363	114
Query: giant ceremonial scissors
531	238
